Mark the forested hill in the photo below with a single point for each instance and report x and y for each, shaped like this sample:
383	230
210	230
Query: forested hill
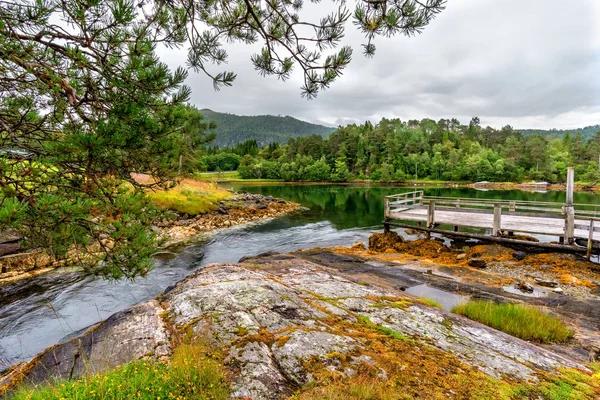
233	129
586	132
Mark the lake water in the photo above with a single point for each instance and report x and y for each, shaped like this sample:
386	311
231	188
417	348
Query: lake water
42	311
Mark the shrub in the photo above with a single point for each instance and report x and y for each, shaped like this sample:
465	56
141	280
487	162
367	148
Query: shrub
524	322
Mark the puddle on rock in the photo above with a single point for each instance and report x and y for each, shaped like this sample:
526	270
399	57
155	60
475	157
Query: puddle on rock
537	292
446	299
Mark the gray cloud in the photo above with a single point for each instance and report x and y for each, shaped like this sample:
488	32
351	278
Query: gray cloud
532	63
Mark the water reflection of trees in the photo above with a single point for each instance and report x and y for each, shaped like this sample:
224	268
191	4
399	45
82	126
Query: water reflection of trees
359	206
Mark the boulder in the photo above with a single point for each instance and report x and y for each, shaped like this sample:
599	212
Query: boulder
547	283
524	287
519	255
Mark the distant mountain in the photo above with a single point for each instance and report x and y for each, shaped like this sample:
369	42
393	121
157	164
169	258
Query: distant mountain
586	132
233	129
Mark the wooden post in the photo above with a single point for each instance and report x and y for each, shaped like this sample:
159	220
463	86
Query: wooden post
457	203
570	184
431	214
512	205
386	208
569	209
590	240
430	217
497	219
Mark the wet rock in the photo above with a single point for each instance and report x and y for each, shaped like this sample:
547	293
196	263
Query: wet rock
281	201
261	206
478	263
138	332
557	290
519	255
524	287
461	256
546	267
546	283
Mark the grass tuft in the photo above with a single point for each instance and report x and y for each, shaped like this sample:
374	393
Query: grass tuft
525	322
191	197
191	374
430	302
366	321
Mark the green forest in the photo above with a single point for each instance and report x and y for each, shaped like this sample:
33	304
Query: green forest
265	129
587	133
395	150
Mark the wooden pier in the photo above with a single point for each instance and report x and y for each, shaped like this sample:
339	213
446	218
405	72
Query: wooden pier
500	219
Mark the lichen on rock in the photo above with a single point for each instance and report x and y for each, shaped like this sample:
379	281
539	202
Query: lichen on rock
283	322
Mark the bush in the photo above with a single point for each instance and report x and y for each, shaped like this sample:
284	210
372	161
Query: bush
189	375
524	322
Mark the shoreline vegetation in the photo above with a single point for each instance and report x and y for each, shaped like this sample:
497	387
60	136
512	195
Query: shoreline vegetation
406	151
233	177
193	209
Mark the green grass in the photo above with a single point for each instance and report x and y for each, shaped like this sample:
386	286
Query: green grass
190	375
525	322
430	302
191	197
217	176
366	321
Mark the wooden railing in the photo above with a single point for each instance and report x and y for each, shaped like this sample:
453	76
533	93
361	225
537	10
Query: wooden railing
416	199
403	201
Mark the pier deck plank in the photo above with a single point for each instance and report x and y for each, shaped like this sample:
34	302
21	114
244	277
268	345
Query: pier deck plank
512	223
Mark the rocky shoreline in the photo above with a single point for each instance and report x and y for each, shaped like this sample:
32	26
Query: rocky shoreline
287	324
179	229
242	208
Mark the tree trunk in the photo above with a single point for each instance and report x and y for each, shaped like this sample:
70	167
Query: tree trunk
180	164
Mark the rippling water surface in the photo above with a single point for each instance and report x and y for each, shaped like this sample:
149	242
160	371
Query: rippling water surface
42	311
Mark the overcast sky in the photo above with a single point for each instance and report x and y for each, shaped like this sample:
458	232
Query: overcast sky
527	63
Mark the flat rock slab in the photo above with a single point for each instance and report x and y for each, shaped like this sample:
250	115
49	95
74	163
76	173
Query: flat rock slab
135	333
273	316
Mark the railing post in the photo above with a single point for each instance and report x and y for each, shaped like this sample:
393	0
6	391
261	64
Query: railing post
569	209
431	214
457	203
590	240
430	217
512	206
497	219
386	207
